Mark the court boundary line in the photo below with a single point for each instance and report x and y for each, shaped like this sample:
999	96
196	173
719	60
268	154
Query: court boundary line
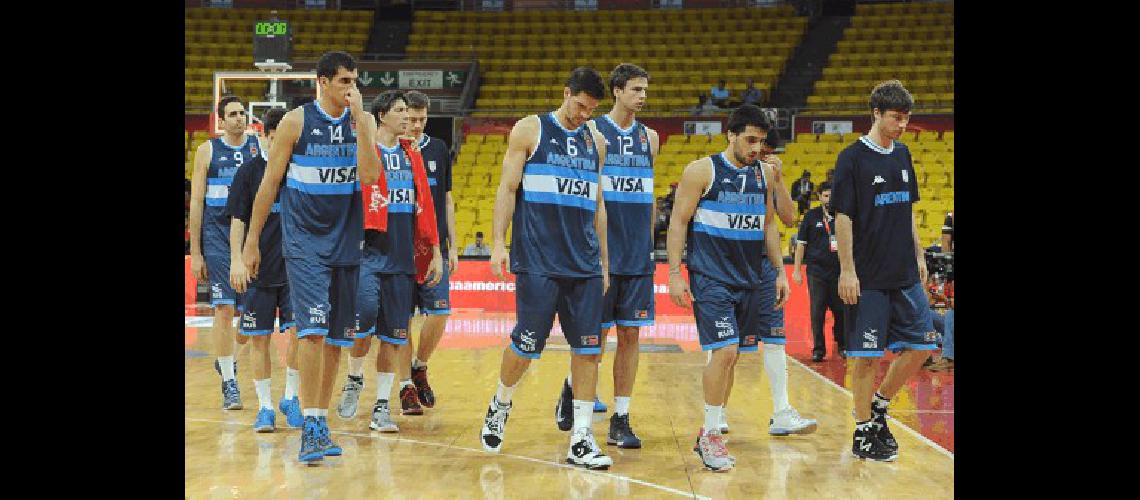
610	475
844	390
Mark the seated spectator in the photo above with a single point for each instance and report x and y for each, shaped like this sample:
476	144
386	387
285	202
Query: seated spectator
751	95
704	106
801	191
944	325
477	249
719	95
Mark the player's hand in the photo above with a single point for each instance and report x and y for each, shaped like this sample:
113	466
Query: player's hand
849	288
777	166
252	257
679	291
434	271
499	260
922	272
239	276
354	100
799	278
783	291
198	267
452	261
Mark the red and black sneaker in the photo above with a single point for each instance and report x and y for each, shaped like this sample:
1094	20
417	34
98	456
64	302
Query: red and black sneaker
423	389
409	402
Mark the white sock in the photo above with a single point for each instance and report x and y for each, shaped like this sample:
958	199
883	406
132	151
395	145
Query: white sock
503	395
356	366
405	383
263	397
310	412
227	365
291	379
712	418
621	405
570	379
583	414
416	363
384	385
323	412
776	366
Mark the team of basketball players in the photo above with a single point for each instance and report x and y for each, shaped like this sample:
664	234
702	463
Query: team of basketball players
361	233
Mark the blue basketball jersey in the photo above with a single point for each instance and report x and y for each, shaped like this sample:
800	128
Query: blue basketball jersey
398	253
437	162
726	235
627	188
224	163
321	212
553	227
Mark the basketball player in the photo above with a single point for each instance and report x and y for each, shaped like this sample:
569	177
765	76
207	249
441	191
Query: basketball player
269	293
388	277
434	302
730	234
560	258
322	230
881	266
627	187
215	163
785	419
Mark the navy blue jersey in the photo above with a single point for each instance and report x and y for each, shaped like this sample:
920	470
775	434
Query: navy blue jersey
224	163
437	162
875	187
816	233
396	250
726	235
553	227
243	190
321	213
627	188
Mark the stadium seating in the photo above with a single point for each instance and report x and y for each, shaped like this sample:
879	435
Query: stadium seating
912	42
524	65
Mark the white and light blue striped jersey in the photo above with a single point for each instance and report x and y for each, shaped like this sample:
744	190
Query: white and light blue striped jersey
726	235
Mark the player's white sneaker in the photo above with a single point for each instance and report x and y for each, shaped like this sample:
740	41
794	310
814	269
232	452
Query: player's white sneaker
350	397
584	451
788	421
494	425
382	418
710	447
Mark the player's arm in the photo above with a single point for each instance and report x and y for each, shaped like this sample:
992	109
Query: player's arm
287	133
453	258
784	207
695	180
520	144
843	199
600	213
801	244
919	253
775	255
367	162
197	206
237	207
654	148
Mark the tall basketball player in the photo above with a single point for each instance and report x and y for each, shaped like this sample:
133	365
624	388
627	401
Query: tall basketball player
215	164
730	234
785	419
882	266
269	293
560	258
322	230
627	187
388	276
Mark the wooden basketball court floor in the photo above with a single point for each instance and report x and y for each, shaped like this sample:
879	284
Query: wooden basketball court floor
438	455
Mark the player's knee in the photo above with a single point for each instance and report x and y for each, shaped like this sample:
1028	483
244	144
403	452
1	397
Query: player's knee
224	310
627	336
260	341
592	358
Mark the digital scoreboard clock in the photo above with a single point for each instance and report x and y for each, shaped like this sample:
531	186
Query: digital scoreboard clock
272	41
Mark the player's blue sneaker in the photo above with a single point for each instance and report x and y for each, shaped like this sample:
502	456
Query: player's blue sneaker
231	396
265	420
599	406
326	443
291	408
311	451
